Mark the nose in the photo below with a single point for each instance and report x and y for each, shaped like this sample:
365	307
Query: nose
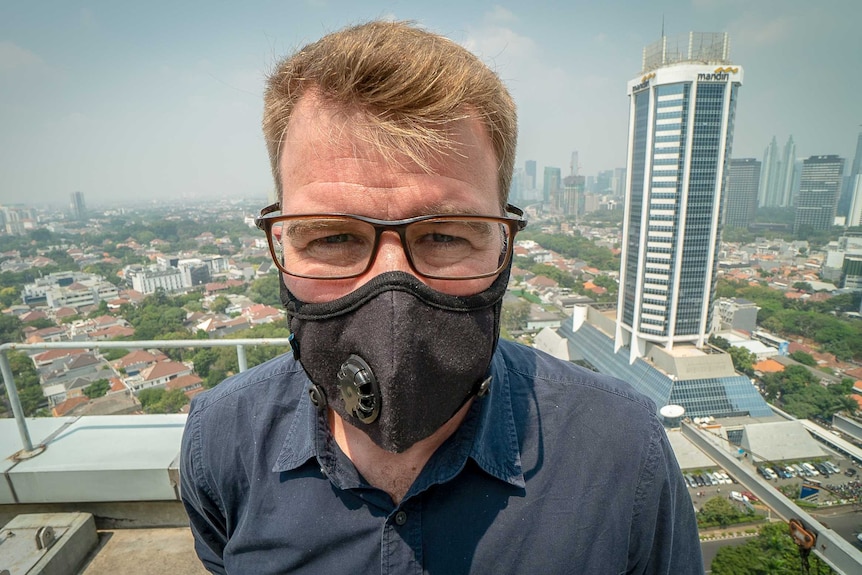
390	255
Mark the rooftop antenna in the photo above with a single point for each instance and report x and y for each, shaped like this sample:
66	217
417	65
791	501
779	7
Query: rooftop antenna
662	25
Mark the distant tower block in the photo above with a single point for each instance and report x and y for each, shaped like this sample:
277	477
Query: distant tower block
672	415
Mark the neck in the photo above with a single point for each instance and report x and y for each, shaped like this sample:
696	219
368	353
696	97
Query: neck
394	473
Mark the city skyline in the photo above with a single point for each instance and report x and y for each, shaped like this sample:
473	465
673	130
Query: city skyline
128	103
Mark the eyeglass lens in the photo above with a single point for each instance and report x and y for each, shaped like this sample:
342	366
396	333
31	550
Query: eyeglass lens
339	246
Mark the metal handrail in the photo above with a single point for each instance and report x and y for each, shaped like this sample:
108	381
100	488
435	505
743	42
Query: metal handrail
12	391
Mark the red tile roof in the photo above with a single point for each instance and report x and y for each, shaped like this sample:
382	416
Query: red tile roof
65	407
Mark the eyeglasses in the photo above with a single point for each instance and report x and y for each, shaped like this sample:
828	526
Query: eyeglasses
341	246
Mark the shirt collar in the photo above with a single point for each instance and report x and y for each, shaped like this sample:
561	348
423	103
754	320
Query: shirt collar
495	445
490	428
299	444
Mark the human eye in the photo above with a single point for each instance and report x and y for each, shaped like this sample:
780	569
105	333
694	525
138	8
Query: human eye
324	233
455	247
472	234
326	246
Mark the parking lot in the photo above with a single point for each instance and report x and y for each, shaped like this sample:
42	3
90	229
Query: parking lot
835	488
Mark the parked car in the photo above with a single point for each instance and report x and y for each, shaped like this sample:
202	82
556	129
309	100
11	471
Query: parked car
849	472
824	471
750	495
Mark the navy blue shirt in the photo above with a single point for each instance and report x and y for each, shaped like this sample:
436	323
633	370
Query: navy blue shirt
556	470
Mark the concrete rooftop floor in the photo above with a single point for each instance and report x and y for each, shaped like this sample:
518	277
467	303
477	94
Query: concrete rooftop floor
144	552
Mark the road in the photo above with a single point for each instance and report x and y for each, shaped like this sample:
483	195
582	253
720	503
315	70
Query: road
847	522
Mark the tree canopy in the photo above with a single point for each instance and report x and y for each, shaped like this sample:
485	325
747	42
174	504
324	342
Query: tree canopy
799	392
772	552
575	246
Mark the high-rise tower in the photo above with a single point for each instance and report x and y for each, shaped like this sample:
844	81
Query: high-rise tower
785	173
681	116
851	199
551	186
819	187
767	196
743	179
530	175
78	206
776	175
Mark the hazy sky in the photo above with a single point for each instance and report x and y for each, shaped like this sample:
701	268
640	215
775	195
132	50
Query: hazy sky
158	99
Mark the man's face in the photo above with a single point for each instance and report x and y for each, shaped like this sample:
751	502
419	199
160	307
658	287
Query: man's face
325	168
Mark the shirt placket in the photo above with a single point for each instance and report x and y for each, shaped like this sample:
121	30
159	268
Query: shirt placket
401	540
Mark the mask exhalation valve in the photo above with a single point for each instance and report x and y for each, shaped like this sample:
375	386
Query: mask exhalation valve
359	389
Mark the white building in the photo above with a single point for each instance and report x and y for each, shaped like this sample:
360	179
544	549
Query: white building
148	280
82	292
681	121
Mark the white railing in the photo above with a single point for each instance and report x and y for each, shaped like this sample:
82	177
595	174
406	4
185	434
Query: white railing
12	391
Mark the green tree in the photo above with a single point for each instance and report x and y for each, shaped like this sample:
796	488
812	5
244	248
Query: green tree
743	360
150	396
10	328
40	323
97	389
8	296
162	401
265	290
515	314
718	511
719	342
219	304
803	358
26	382
772	552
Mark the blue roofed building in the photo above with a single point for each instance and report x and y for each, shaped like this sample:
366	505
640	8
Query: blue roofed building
702	380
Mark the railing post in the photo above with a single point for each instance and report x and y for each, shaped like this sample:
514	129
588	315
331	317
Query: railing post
12	393
240	358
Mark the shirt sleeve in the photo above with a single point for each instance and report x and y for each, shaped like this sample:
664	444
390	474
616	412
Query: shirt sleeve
206	519
664	537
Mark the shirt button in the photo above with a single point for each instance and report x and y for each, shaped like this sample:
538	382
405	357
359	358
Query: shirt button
400	518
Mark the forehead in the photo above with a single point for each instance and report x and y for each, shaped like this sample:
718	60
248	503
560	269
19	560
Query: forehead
329	157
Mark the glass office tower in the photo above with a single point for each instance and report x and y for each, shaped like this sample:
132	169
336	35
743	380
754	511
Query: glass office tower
680	134
743	181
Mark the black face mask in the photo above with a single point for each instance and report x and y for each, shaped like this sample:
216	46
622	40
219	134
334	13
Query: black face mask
396	358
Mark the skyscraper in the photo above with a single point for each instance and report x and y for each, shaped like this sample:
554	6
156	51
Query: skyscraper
776	175
743	180
681	118
819	186
785	174
78	207
574	164
551	185
854	217
516	188
851	189
767	195
530	175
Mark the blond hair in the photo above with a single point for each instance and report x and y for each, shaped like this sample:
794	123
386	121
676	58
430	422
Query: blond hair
405	83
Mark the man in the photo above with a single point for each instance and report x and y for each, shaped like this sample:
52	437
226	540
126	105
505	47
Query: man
401	436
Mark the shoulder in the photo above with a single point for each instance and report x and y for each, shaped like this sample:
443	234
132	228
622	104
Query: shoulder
547	375
279	376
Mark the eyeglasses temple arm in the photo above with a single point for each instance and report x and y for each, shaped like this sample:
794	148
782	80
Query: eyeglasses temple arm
258	221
